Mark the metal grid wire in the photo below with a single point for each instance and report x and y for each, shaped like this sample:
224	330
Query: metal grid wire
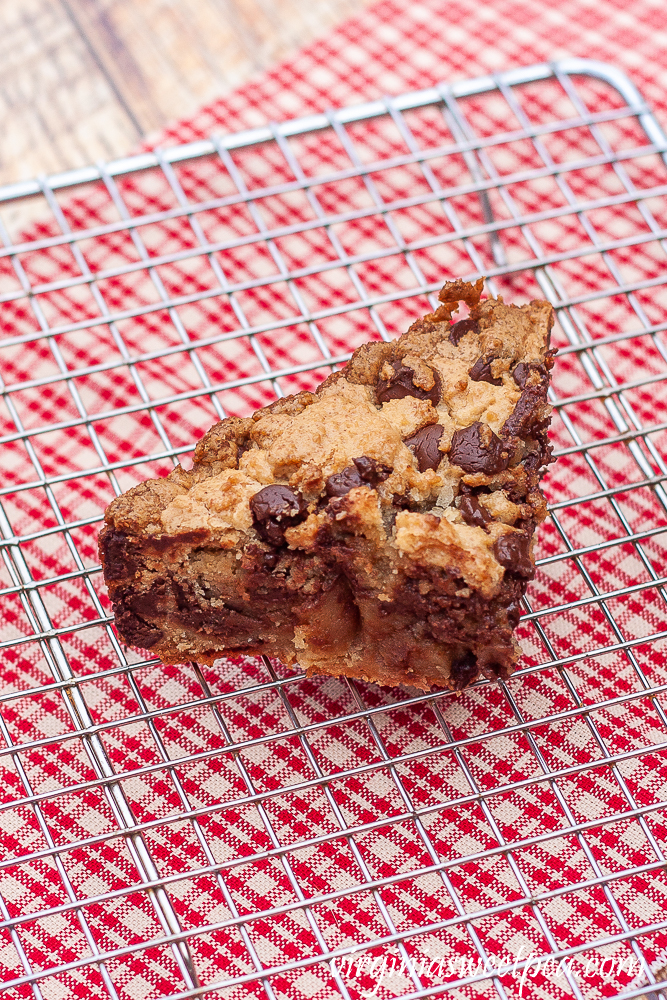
238	831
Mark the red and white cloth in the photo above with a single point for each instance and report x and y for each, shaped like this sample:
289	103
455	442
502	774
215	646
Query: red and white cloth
67	848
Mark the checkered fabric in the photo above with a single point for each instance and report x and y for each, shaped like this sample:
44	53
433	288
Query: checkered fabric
241	831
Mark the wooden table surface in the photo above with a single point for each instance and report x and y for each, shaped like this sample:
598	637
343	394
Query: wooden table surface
82	80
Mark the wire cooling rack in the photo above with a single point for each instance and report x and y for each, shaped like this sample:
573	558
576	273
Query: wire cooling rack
170	831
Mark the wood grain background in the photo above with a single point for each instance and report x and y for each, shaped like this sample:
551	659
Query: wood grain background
87	79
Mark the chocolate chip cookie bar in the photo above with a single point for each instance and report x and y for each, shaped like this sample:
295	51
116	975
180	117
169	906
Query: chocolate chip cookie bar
380	527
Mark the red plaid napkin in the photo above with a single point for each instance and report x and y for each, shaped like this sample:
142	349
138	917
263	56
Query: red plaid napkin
281	845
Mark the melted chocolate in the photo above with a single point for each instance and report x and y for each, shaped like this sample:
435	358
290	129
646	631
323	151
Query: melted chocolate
371	471
481	372
403	501
117	555
527	414
513	552
133	613
365	472
401	385
478	449
523	371
274	509
514	613
341	483
458	330
134	629
463	671
424	446
473	513
270	560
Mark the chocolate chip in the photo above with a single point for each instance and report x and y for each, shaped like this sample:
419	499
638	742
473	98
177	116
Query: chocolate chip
136	631
481	372
365	471
371	471
401	385
133	612
522	372
463	671
424	446
117	555
513	613
458	330
274	509
478	449
513	552
528	414
270	560
473	513
341	483
403	501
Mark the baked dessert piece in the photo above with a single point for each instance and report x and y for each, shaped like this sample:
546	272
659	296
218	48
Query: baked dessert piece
380	527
